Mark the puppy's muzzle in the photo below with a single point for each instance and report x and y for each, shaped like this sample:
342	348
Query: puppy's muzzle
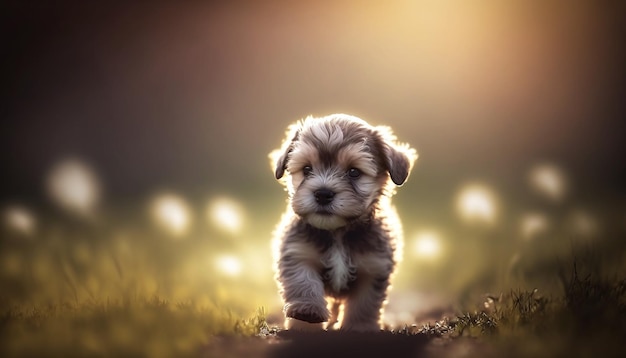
324	196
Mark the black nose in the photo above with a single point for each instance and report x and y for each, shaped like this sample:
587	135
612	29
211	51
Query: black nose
323	196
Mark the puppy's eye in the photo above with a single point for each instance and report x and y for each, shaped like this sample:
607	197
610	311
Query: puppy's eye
307	170
354	173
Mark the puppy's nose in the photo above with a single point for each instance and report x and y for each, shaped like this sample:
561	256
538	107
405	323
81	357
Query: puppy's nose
323	196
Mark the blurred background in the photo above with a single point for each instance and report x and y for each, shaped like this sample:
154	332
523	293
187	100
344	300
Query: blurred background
134	141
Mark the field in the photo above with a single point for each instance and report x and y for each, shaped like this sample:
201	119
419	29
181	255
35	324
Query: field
163	276
587	321
96	299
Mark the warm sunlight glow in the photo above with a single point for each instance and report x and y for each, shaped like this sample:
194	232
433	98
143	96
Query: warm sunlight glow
171	213
548	180
427	245
476	203
229	265
533	224
19	220
226	214
74	186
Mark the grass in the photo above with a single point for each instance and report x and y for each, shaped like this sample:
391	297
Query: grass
134	295
154	327
585	320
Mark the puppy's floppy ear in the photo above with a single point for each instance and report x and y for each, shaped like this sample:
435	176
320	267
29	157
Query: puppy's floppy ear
280	163
399	157
280	157
399	162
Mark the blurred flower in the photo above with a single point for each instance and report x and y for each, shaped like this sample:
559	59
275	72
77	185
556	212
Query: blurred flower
476	203
226	214
171	213
548	180
19	220
74	186
229	265
532	225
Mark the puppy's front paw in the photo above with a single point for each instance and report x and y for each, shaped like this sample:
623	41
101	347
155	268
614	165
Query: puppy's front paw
307	311
292	324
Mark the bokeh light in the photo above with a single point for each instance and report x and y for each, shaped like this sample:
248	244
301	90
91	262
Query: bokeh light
476	203
548	180
19	220
226	214
582	224
74	186
171	213
228	265
533	224
427	245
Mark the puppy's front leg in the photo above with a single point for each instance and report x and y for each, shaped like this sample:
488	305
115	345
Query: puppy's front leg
302	291
363	306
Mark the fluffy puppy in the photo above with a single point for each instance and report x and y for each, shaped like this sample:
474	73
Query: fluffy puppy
339	238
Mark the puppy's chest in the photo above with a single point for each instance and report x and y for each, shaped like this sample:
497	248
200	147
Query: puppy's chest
339	268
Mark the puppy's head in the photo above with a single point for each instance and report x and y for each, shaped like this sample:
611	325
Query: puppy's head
337	167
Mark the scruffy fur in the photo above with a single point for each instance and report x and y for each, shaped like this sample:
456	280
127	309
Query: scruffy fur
339	240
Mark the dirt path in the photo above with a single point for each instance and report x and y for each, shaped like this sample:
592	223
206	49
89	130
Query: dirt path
331	344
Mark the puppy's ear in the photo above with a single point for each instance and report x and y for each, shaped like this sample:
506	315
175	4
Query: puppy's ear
280	157
399	157
399	162
280	163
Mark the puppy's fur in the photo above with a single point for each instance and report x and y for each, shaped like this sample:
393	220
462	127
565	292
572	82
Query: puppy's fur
340	237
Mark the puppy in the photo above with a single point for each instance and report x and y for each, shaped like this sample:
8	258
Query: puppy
340	238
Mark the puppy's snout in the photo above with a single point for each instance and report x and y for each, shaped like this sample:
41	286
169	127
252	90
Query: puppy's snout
324	196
